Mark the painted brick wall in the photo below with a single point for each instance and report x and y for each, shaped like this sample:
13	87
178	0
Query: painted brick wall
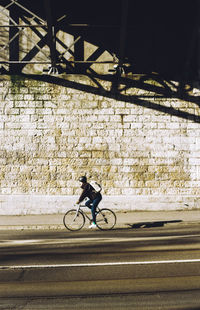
50	135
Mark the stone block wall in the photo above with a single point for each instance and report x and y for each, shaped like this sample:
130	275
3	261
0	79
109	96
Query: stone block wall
50	135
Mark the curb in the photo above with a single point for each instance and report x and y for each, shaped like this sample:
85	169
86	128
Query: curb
52	227
62	227
33	227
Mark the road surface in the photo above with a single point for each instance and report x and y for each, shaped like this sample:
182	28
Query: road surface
144	268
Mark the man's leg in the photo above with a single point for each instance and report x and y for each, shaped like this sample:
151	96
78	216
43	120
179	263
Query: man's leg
94	206
88	204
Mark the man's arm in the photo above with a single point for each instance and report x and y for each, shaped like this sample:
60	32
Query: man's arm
84	193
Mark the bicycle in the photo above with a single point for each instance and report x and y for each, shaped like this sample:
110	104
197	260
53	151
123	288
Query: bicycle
74	219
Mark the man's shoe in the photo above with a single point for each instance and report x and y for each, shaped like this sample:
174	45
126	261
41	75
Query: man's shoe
93	225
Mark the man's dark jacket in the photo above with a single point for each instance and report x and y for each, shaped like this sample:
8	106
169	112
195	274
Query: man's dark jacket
89	192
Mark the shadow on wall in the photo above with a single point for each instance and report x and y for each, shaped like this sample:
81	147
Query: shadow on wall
150	91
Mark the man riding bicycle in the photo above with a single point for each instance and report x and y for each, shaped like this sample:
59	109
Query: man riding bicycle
94	198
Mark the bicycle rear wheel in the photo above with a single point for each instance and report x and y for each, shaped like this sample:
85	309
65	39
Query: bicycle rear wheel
105	219
73	220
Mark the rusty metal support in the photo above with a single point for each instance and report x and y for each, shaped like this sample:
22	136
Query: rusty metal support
79	55
24	26
198	40
122	45
26	10
50	25
123	31
13	43
51	31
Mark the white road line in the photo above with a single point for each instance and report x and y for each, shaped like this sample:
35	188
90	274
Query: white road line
102	264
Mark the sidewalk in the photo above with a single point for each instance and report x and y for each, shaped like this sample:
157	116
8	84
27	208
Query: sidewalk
125	219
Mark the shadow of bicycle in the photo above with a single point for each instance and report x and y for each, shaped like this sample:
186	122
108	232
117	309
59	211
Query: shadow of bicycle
152	224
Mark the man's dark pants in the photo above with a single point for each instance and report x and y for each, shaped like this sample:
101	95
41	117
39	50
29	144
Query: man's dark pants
92	204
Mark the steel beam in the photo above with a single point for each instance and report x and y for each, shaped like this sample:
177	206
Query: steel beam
50	25
123	31
198	40
79	55
26	10
122	44
24	26
51	31
13	42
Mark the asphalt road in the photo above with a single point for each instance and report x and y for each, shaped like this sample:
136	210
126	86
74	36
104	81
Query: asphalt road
144	268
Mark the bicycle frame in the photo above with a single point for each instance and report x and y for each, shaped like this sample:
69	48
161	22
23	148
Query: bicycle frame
79	209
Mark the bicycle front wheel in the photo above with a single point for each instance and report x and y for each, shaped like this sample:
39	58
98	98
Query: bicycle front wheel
105	219
73	220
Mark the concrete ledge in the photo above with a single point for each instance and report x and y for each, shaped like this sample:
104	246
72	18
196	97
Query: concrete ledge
55	204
